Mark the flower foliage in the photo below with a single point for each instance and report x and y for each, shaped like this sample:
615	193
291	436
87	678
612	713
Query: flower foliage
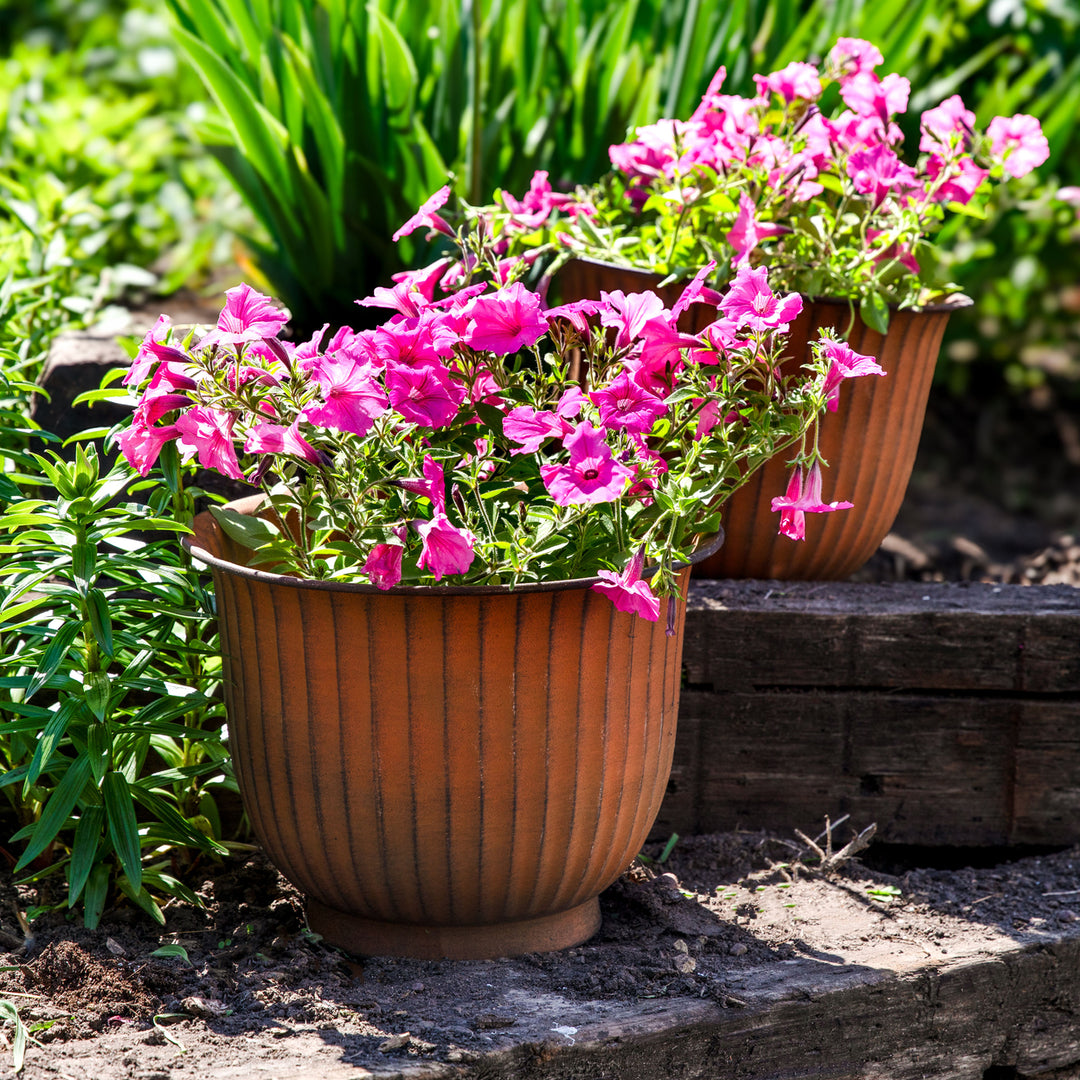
483	437
807	178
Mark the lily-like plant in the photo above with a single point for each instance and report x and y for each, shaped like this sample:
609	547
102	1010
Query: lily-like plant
481	438
806	178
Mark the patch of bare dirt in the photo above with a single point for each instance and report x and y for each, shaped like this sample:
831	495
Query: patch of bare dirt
728	918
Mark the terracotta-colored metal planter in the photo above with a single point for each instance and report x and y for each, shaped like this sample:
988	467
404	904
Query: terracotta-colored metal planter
869	443
444	771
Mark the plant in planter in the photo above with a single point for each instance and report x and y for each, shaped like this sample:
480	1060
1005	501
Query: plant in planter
443	730
819	194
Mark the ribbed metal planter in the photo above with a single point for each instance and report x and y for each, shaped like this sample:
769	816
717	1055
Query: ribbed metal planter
870	442
444	772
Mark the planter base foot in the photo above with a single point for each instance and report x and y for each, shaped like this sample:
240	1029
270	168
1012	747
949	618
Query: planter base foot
369	937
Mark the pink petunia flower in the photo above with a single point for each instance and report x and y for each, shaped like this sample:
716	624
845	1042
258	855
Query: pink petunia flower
625	405
697	292
383	565
278	439
802	498
209	433
962	178
850	56
530	428
940	125
628	313
868	95
750	303
151	350
505	321
401	298
747	232
1018	143
627	591
797	80
141	445
446	548
352	397
592	475
426	216
247	316
576	313
878	172
845	363
425	395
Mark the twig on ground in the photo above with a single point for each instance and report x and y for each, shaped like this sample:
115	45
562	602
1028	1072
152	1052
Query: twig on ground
830	860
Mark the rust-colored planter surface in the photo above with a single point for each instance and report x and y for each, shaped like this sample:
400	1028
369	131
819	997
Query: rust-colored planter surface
869	443
444	771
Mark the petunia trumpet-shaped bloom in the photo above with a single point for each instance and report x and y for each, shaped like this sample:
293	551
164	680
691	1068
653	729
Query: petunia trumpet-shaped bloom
425	395
530	428
247	316
352	397
853	55
592	475
209	433
426	216
279	439
628	314
383	565
626	405
627	591
446	548
750	303
141	444
505	321
151	350
797	80
845	363
1018	142
747	232
803	496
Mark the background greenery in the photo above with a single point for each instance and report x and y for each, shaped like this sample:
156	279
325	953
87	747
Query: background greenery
334	119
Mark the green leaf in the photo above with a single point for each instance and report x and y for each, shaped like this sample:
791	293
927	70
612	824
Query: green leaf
53	657
57	810
97	611
253	532
98	750
123	829
84	850
97	690
875	312
50	738
173	950
97	890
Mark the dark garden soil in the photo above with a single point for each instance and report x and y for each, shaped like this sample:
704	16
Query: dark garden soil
722	920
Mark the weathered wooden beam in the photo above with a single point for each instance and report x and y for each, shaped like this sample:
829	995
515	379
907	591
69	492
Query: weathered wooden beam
948	714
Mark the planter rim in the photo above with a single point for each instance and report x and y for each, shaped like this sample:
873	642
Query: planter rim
952	302
191	545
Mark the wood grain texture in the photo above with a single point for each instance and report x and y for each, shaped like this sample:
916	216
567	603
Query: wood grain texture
948	715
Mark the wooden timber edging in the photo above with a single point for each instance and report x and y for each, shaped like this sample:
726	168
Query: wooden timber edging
947	713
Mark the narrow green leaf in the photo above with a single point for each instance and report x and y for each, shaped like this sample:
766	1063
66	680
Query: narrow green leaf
123	829
57	810
52	659
97	890
50	738
97	612
98	750
173	950
84	850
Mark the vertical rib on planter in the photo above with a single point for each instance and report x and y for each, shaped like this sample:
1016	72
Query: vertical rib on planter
870	442
444	771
